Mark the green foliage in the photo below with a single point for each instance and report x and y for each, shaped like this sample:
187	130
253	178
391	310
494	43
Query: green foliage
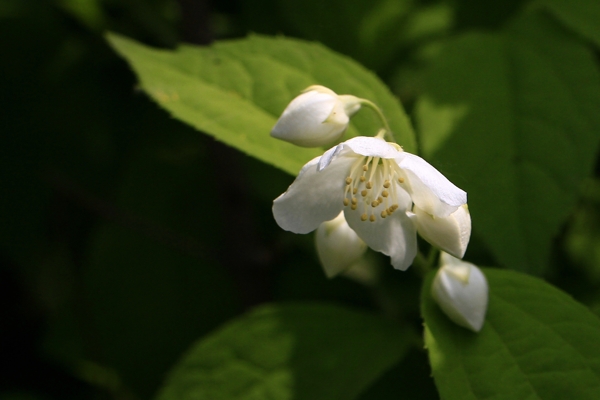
289	351
512	118
373	32
583	239
236	90
582	16
537	343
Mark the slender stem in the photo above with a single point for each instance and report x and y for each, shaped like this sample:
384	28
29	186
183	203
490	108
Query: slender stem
379	113
432	257
423	264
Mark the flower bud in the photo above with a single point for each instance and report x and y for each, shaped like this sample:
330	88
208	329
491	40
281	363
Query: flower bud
316	117
338	246
451	233
461	291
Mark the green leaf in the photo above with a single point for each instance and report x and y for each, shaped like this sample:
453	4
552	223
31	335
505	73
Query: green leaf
536	343
580	15
235	90
290	351
513	119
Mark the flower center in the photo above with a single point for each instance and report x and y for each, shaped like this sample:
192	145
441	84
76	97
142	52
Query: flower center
373	182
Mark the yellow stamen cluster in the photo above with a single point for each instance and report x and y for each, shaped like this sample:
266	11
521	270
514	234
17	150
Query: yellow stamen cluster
376	180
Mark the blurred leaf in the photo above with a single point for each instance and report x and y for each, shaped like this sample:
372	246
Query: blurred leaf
377	33
236	90
392	27
487	15
537	343
88	12
582	238
582	16
513	119
300	351
334	22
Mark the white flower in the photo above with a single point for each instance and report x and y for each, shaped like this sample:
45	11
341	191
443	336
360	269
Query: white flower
451	233
375	183
461	291
316	117
338	246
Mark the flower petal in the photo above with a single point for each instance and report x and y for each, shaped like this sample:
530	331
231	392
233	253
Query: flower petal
364	146
338	246
314	118
372	146
430	190
461	290
314	197
394	236
451	233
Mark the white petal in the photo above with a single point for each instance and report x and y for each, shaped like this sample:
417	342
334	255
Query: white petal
314	197
328	156
338	246
461	291
312	119
451	233
430	190
372	146
394	236
363	146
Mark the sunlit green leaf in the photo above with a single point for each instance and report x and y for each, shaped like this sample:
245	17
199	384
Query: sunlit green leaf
235	90
536	343
291	351
513	119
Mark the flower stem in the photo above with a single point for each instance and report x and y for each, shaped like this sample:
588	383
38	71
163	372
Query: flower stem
432	257
423	264
379	113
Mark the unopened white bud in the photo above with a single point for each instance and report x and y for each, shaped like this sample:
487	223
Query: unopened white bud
461	291
315	118
450	234
338	246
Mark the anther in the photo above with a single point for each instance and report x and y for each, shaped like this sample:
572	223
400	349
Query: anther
374	203
364	193
379	199
353	206
346	202
363	217
369	185
362	178
354	200
401	180
355	190
365	167
385	193
348	180
386	184
384	214
372	218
